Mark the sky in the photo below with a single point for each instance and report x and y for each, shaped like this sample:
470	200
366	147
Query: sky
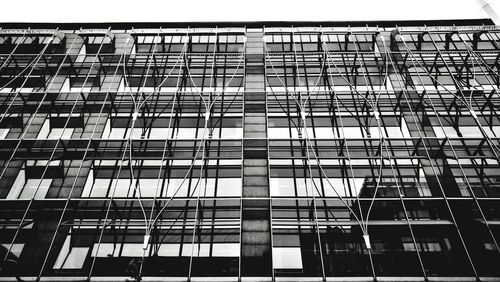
234	10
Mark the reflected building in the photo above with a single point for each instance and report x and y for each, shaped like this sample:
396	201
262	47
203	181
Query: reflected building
336	152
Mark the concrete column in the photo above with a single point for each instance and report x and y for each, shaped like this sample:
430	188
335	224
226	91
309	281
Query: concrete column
256	222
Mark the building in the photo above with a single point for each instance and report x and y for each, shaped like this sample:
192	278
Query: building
276	152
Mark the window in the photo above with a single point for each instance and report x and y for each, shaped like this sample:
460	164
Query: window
119	127
445	131
98	43
169	250
229	187
75	87
71	257
282	187
104	187
38	186
423	245
226	250
4	132
196	250
285	187
28	188
228	133
282	133
287	258
51	131
121	188
10	123
17	248
148	187
132	250
102	250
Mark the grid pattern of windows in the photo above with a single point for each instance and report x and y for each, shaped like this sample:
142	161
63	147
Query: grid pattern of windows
140	153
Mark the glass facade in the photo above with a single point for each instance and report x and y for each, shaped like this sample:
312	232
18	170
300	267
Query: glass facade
250	154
